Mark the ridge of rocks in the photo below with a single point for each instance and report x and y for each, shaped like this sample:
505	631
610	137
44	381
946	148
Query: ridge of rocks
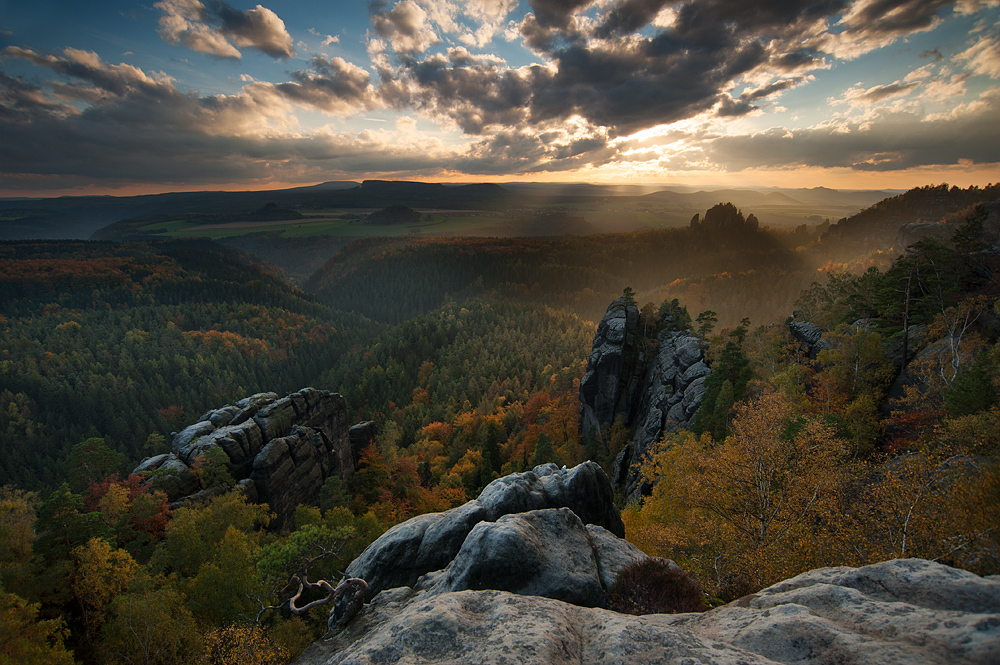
279	450
528	587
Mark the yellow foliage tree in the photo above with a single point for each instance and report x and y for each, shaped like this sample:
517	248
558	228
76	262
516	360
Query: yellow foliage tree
150	627
742	514
238	644
24	638
102	572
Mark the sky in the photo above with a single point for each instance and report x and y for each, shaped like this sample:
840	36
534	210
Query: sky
107	97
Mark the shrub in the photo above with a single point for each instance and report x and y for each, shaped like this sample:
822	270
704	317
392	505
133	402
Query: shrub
653	586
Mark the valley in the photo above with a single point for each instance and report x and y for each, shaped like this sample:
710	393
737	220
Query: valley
666	352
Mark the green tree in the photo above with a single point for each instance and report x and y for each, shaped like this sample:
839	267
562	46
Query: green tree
150	627
706	323
673	316
90	460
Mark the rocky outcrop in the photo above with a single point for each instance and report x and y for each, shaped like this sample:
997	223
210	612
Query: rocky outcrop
430	543
810	336
615	370
279	450
538	553
907	611
651	392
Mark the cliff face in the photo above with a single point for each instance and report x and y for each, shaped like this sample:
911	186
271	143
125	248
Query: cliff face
655	388
279	450
529	587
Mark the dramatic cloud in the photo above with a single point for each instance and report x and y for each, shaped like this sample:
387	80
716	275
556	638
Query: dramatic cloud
883	140
145	130
629	66
215	27
648	85
334	86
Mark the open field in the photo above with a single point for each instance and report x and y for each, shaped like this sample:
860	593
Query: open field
342	224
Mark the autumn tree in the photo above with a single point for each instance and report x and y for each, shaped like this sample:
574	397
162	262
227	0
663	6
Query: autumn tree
27	638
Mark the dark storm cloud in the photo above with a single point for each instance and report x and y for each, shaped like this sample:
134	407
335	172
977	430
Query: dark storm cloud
896	17
629	16
473	92
21	101
143	129
618	78
556	13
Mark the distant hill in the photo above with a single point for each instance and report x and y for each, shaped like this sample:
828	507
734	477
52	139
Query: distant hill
80	217
879	224
394	214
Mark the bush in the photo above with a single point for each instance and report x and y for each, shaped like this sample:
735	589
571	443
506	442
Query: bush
652	586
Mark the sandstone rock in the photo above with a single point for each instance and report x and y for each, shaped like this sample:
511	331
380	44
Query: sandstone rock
361	436
538	553
478	627
613	554
902	611
898	612
584	489
428	543
286	448
809	335
644	392
611	367
393	559
181	440
169	475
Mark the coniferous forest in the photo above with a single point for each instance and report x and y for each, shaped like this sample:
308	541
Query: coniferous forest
467	353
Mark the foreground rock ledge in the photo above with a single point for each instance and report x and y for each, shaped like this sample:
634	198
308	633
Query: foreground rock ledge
898	612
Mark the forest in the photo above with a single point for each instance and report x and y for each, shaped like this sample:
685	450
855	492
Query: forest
468	353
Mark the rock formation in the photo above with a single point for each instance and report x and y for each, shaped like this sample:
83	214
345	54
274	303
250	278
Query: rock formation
429	543
810	336
279	450
907	611
652	392
528	586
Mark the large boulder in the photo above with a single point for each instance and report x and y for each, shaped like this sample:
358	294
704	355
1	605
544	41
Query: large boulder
430	542
902	611
907	611
538	553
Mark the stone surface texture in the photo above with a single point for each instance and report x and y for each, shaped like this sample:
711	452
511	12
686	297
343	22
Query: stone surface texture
907	611
429	543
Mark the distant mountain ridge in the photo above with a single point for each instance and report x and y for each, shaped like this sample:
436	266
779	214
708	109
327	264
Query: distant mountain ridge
80	217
